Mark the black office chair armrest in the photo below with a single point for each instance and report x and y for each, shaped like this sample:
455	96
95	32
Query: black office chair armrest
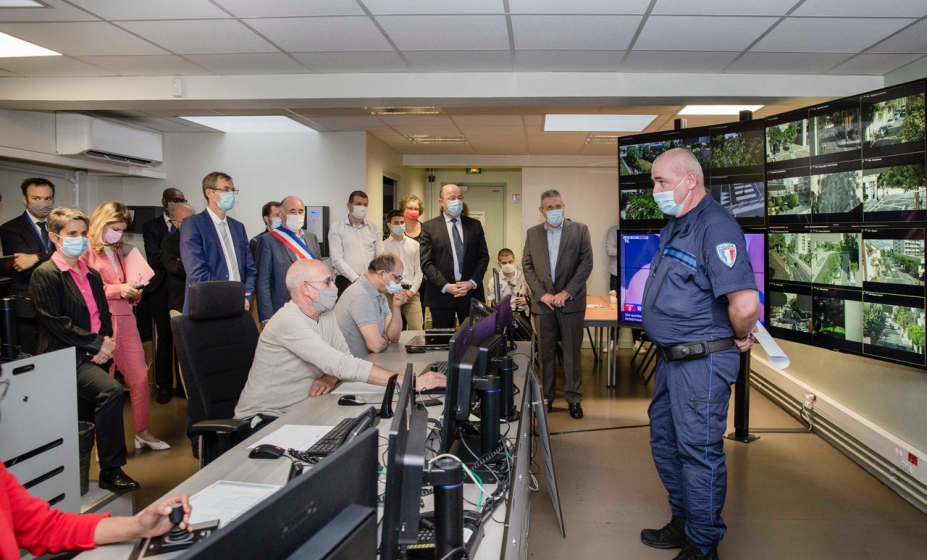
228	425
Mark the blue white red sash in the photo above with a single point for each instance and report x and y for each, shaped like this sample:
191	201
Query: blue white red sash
294	243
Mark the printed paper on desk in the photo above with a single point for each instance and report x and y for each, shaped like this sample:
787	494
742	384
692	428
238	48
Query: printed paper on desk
594	306
137	269
775	354
294	436
225	500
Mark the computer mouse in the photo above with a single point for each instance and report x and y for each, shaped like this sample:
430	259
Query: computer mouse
266	451
351	400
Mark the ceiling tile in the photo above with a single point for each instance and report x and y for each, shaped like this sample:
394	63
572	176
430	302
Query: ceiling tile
201	36
843	8
428	129
405	7
534	121
677	61
51	67
417	120
57	11
574	32
488	120
290	8
567	61
911	40
352	62
249	63
322	34
683	33
578	6
785	63
446	33
471	130
5	73
151	9
600	150
460	61
81	39
843	35
160	65
874	64
353	122
384	132
337	112
724	7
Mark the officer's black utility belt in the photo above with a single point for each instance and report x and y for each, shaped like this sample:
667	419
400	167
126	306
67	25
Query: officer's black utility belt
694	350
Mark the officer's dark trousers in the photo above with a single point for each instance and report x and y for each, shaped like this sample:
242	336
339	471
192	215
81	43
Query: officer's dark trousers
567	329
688	417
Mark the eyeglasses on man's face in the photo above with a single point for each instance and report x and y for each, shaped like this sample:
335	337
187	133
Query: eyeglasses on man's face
227	189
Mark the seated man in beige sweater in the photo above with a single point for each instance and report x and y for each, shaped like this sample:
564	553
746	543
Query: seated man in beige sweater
302	353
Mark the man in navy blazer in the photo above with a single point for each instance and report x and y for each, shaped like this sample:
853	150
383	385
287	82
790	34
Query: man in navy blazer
214	246
277	250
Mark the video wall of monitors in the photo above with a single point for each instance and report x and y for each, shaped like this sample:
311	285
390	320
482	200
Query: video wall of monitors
635	254
732	160
855	290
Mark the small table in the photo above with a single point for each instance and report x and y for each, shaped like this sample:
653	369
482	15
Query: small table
604	315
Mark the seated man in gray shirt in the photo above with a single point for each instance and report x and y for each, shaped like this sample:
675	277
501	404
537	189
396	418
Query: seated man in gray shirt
363	313
302	353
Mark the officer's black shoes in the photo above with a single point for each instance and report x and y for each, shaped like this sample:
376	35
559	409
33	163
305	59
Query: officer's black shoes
576	410
115	480
672	535
550	405
692	553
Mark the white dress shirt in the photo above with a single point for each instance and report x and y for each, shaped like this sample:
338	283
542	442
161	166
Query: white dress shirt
409	252
230	260
352	248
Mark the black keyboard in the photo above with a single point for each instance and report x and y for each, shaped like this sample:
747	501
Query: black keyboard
448	330
324	446
440	367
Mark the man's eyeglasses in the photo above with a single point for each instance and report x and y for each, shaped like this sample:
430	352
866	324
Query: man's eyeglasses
395	278
177	200
233	191
328	282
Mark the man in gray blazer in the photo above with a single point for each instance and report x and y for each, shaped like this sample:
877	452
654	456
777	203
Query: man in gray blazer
557	262
277	251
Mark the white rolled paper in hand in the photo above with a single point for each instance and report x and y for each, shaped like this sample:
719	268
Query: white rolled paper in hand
775	354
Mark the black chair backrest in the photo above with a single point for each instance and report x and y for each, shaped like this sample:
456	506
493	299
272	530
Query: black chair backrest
215	345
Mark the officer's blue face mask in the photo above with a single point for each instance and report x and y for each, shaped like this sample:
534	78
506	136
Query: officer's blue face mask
667	202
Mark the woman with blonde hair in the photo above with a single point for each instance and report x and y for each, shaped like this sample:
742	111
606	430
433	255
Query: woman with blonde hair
411	207
107	225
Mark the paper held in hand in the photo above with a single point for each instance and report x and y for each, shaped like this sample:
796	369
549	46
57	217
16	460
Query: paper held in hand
775	354
137	269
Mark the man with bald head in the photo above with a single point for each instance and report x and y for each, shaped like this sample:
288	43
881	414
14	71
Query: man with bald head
276	251
454	259
700	307
302	353
170	258
153	233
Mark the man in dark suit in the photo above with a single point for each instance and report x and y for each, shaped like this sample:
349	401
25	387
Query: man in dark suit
557	261
26	238
153	232
273	218
214	246
175	277
454	260
277	250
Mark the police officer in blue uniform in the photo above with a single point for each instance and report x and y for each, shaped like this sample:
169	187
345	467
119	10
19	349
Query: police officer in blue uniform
700	307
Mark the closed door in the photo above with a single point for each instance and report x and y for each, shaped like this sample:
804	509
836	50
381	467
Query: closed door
486	203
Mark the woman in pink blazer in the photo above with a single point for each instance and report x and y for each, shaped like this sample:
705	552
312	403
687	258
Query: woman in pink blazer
107	224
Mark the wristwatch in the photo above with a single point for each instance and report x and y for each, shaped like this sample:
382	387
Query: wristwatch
742	338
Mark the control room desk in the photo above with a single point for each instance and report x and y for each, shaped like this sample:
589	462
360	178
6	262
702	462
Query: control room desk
235	465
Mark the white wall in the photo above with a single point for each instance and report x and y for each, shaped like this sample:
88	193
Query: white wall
93	189
321	168
591	197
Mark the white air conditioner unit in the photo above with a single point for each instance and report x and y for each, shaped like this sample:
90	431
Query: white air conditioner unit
82	136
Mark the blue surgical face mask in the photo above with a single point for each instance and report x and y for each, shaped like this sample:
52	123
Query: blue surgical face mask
392	287
399	229
275	222
667	202
359	212
226	200
73	247
554	217
454	207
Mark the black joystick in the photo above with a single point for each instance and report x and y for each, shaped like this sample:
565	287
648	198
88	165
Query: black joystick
177	536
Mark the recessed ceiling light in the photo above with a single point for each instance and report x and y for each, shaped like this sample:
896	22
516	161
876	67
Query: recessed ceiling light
431	139
718	109
597	123
267	123
11	47
21	4
404	110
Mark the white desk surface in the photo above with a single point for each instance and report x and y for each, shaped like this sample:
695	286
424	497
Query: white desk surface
236	466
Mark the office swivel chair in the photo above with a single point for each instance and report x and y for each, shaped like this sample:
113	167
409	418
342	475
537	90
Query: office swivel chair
215	343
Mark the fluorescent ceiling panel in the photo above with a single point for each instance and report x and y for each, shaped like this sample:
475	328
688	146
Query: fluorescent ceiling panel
20	4
597	123
717	109
250	124
11	47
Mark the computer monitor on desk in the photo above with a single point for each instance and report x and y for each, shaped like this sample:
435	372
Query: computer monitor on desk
329	512
456	350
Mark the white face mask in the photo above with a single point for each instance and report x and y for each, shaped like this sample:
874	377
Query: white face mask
359	212
294	222
508	268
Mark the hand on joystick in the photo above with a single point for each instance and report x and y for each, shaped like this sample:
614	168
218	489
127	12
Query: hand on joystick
176	534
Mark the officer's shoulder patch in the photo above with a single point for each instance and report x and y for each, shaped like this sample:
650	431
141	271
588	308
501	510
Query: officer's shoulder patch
727	252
